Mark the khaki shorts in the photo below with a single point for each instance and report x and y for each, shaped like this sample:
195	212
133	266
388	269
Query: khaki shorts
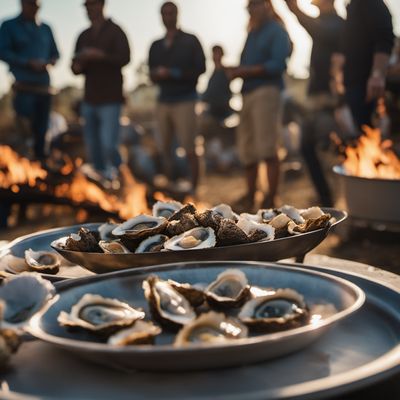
177	119
260	123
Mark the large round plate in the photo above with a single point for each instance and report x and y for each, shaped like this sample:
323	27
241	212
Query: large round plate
293	246
317	288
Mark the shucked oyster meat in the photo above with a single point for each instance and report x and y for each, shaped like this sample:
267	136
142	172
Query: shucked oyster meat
196	238
142	332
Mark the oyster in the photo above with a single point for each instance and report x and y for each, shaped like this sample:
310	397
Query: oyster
185	223
312	212
142	332
140	227
84	240
194	295
23	296
210	328
280	223
311	224
167	305
196	238
229	234
267	214
210	219
42	261
100	315
186	209
225	211
152	244
230	289
105	231
293	213
9	341
113	247
284	309
251	217
166	208
256	231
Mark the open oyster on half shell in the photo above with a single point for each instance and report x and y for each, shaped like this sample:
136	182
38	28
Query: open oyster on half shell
280	310
142	332
166	208
42	261
100	315
113	247
152	244
168	307
210	328
196	238
230	289
140	227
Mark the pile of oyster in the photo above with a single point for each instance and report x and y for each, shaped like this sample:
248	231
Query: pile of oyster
226	309
174	226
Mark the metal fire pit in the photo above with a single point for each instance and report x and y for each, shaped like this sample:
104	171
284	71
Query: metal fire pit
370	199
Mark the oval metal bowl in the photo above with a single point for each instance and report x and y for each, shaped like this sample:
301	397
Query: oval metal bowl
316	287
293	246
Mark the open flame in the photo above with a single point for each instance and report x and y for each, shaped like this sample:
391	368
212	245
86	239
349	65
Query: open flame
16	171
372	157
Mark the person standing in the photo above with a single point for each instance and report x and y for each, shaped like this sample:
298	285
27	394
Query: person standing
176	61
263	62
319	119
360	67
101	52
27	45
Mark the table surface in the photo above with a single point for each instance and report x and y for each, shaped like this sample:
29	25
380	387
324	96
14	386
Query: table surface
79	371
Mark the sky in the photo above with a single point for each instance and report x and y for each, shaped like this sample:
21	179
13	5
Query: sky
213	21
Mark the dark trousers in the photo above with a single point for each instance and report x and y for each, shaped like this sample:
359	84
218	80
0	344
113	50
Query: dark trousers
36	108
361	109
316	128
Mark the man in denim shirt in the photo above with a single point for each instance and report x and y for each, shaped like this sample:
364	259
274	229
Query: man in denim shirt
176	62
29	48
262	65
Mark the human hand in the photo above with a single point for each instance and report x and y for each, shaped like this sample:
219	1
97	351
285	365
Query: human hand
375	86
37	65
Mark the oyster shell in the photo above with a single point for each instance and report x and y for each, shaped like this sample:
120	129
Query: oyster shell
113	247
152	244
23	296
312	212
185	223
84	240
210	328
105	231
256	231
280	223
142	332
210	219
293	213
42	261
166	208
251	217
186	209
266	214
225	211
167	305
311	224
9	341
196	238
140	227
229	234
284	309
100	315
194	295
230	289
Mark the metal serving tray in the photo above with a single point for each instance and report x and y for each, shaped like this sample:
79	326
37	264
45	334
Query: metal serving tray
293	246
357	353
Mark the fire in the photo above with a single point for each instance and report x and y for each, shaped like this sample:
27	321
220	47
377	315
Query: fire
372	158
16	171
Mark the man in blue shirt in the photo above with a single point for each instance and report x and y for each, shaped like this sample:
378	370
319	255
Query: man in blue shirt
262	65
29	48
176	61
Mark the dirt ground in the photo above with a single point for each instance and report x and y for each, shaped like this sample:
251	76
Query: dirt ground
381	249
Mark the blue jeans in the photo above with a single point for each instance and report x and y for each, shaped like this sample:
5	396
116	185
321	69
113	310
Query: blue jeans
101	134
36	108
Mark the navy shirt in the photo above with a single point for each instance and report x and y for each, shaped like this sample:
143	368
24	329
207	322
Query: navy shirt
21	41
185	57
368	30
325	32
270	46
